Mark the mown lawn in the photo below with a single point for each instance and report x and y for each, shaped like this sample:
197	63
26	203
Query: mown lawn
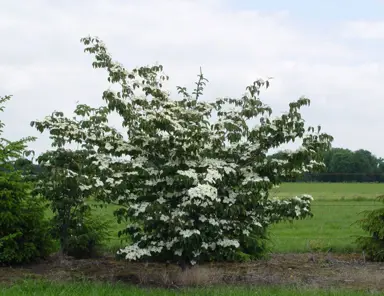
84	289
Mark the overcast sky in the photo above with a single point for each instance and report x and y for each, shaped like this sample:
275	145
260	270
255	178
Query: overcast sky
329	50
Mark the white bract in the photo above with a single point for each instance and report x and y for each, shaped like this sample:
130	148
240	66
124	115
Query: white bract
194	175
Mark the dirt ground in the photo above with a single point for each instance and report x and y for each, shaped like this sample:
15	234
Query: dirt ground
310	270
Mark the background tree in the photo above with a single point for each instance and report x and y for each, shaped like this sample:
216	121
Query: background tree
344	165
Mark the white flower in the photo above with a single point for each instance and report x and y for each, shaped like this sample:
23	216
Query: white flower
85	187
99	183
297	211
296	198
228	243
202	218
161	200
307	196
118	175
108	147
155	249
213	222
231	198
133	252
140	208
164	218
110	180
202	190
187	233
190	173
212	176
169	244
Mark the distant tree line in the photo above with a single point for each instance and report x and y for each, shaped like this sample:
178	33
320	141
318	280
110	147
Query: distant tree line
27	168
344	165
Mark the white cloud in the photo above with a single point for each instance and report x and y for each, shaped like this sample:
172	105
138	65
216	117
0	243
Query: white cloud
43	64
364	29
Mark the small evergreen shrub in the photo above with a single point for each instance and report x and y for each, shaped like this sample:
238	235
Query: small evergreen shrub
24	234
373	223
86	237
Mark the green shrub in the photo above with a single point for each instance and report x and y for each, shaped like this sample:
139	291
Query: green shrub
255	245
24	234
86	236
373	223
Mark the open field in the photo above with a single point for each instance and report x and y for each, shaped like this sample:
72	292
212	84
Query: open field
336	208
332	228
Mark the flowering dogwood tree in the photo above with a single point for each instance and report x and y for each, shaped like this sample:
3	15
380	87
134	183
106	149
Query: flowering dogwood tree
192	176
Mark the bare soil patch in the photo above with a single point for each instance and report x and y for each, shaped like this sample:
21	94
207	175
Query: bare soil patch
308	270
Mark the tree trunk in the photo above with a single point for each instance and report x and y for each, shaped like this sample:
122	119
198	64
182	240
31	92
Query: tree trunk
184	265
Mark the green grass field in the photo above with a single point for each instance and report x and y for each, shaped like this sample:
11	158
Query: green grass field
84	289
336	208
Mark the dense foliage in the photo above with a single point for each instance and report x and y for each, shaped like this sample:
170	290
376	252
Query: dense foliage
24	234
373	223
191	176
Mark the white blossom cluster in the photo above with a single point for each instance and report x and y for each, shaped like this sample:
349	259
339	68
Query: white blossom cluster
195	185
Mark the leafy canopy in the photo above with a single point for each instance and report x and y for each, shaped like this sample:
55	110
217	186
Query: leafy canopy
192	176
